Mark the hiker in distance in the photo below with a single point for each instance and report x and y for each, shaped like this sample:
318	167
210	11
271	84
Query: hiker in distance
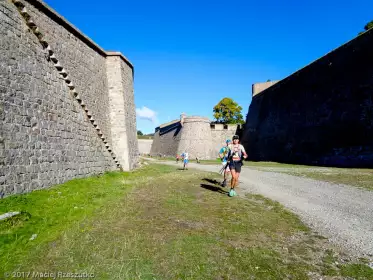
223	154
185	157
236	154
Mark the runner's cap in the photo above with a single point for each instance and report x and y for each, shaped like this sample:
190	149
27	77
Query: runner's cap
228	140
235	137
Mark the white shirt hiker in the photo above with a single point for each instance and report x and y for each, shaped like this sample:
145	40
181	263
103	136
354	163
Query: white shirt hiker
236	151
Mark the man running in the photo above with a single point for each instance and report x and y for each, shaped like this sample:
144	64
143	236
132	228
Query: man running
223	154
235	155
185	157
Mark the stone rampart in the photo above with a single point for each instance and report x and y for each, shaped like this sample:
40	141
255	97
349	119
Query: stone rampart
122	108
196	135
166	139
196	138
145	146
56	113
80	57
322	114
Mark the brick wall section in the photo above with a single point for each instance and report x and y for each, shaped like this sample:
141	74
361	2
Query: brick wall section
122	111
46	138
322	114
86	64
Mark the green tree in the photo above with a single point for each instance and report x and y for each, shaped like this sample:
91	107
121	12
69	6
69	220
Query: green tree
368	26
227	111
139	132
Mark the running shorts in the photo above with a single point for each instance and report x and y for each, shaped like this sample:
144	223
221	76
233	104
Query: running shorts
235	165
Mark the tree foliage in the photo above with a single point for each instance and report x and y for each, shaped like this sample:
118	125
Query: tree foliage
227	111
139	132
368	26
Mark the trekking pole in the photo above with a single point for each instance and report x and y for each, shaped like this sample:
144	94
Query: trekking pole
223	168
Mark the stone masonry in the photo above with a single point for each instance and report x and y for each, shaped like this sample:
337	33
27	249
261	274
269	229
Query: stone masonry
59	115
119	75
197	135
259	87
145	146
321	114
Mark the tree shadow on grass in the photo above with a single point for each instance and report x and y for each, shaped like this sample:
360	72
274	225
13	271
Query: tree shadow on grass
213	188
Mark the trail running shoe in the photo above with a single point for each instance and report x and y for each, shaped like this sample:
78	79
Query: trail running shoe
231	193
224	184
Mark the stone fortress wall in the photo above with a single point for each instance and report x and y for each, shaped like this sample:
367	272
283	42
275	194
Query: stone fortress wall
220	133
197	135
166	139
145	146
321	114
66	106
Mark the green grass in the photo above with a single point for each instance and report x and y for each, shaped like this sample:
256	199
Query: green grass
144	137
362	178
210	161
48	213
162	223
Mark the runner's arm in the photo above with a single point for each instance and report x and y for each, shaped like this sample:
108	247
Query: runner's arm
221	155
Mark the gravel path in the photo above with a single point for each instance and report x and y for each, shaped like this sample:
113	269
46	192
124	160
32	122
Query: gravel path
342	213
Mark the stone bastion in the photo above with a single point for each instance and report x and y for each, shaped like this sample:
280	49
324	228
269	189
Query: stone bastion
196	135
66	106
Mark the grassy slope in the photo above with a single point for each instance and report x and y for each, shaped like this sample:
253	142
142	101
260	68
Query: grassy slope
159	223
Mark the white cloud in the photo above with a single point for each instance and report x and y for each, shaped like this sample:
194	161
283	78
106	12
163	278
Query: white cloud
147	114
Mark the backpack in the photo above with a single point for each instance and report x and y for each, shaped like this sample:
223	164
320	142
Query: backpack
240	153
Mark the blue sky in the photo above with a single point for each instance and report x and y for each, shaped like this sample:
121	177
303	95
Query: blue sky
188	55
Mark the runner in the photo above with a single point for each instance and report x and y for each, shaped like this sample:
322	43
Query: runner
223	154
185	157
177	158
235	155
